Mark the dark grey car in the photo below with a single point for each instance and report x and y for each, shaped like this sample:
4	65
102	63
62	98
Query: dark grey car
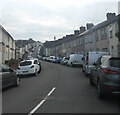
8	76
106	75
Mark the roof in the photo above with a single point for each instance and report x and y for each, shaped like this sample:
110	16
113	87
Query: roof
21	43
50	44
6	32
100	25
32	59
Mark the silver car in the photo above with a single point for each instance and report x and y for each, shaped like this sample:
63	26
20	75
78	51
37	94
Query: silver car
106	75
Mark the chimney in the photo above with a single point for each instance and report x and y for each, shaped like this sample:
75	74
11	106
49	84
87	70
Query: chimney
82	29
89	25
76	32
64	37
110	16
54	38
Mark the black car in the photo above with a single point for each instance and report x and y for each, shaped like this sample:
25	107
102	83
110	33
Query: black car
8	76
106	75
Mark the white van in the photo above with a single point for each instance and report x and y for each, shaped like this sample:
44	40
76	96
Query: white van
89	59
51	58
75	60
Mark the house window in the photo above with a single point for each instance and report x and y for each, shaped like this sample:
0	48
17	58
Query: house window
119	50
81	40
116	27
78	42
111	34
112	47
96	36
74	42
105	49
103	33
97	49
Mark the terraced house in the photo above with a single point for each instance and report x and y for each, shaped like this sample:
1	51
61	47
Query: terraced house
100	37
7	45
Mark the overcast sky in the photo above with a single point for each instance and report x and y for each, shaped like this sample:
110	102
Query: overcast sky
44	19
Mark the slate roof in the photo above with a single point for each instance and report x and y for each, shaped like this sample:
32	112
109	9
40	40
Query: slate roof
50	44
6	32
22	43
100	25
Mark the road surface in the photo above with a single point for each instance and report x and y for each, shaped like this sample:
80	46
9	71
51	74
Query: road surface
57	89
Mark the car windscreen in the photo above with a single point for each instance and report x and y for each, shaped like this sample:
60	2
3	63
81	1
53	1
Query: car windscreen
67	58
115	62
25	63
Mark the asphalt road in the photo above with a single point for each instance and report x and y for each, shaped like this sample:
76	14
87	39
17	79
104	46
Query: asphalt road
57	89
35	53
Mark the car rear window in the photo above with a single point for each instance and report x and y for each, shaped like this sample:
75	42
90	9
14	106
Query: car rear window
25	63
115	62
67	58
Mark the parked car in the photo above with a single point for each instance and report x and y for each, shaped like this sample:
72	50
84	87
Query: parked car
29	56
48	59
57	60
51	58
64	61
75	60
32	66
8	76
44	58
88	60
39	57
106	75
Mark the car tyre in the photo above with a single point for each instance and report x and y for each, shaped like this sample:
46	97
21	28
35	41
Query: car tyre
71	64
17	82
100	93
39	70
91	81
83	70
35	74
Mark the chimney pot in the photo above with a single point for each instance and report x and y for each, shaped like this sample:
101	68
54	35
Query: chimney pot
110	16
82	29
89	25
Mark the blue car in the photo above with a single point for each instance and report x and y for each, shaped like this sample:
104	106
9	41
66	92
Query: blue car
57	60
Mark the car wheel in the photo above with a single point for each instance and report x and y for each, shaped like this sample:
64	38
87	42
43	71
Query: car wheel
91	81
17	82
99	92
83	70
35	74
39	70
71	64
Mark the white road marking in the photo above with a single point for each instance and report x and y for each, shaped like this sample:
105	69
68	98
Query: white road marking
39	105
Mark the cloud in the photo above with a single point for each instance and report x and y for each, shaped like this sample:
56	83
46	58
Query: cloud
43	19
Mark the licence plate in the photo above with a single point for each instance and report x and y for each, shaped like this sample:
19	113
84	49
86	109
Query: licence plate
25	71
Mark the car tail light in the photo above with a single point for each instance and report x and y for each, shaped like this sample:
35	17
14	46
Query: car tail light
108	71
32	66
87	59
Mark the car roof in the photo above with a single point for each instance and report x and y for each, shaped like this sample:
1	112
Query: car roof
28	60
107	56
